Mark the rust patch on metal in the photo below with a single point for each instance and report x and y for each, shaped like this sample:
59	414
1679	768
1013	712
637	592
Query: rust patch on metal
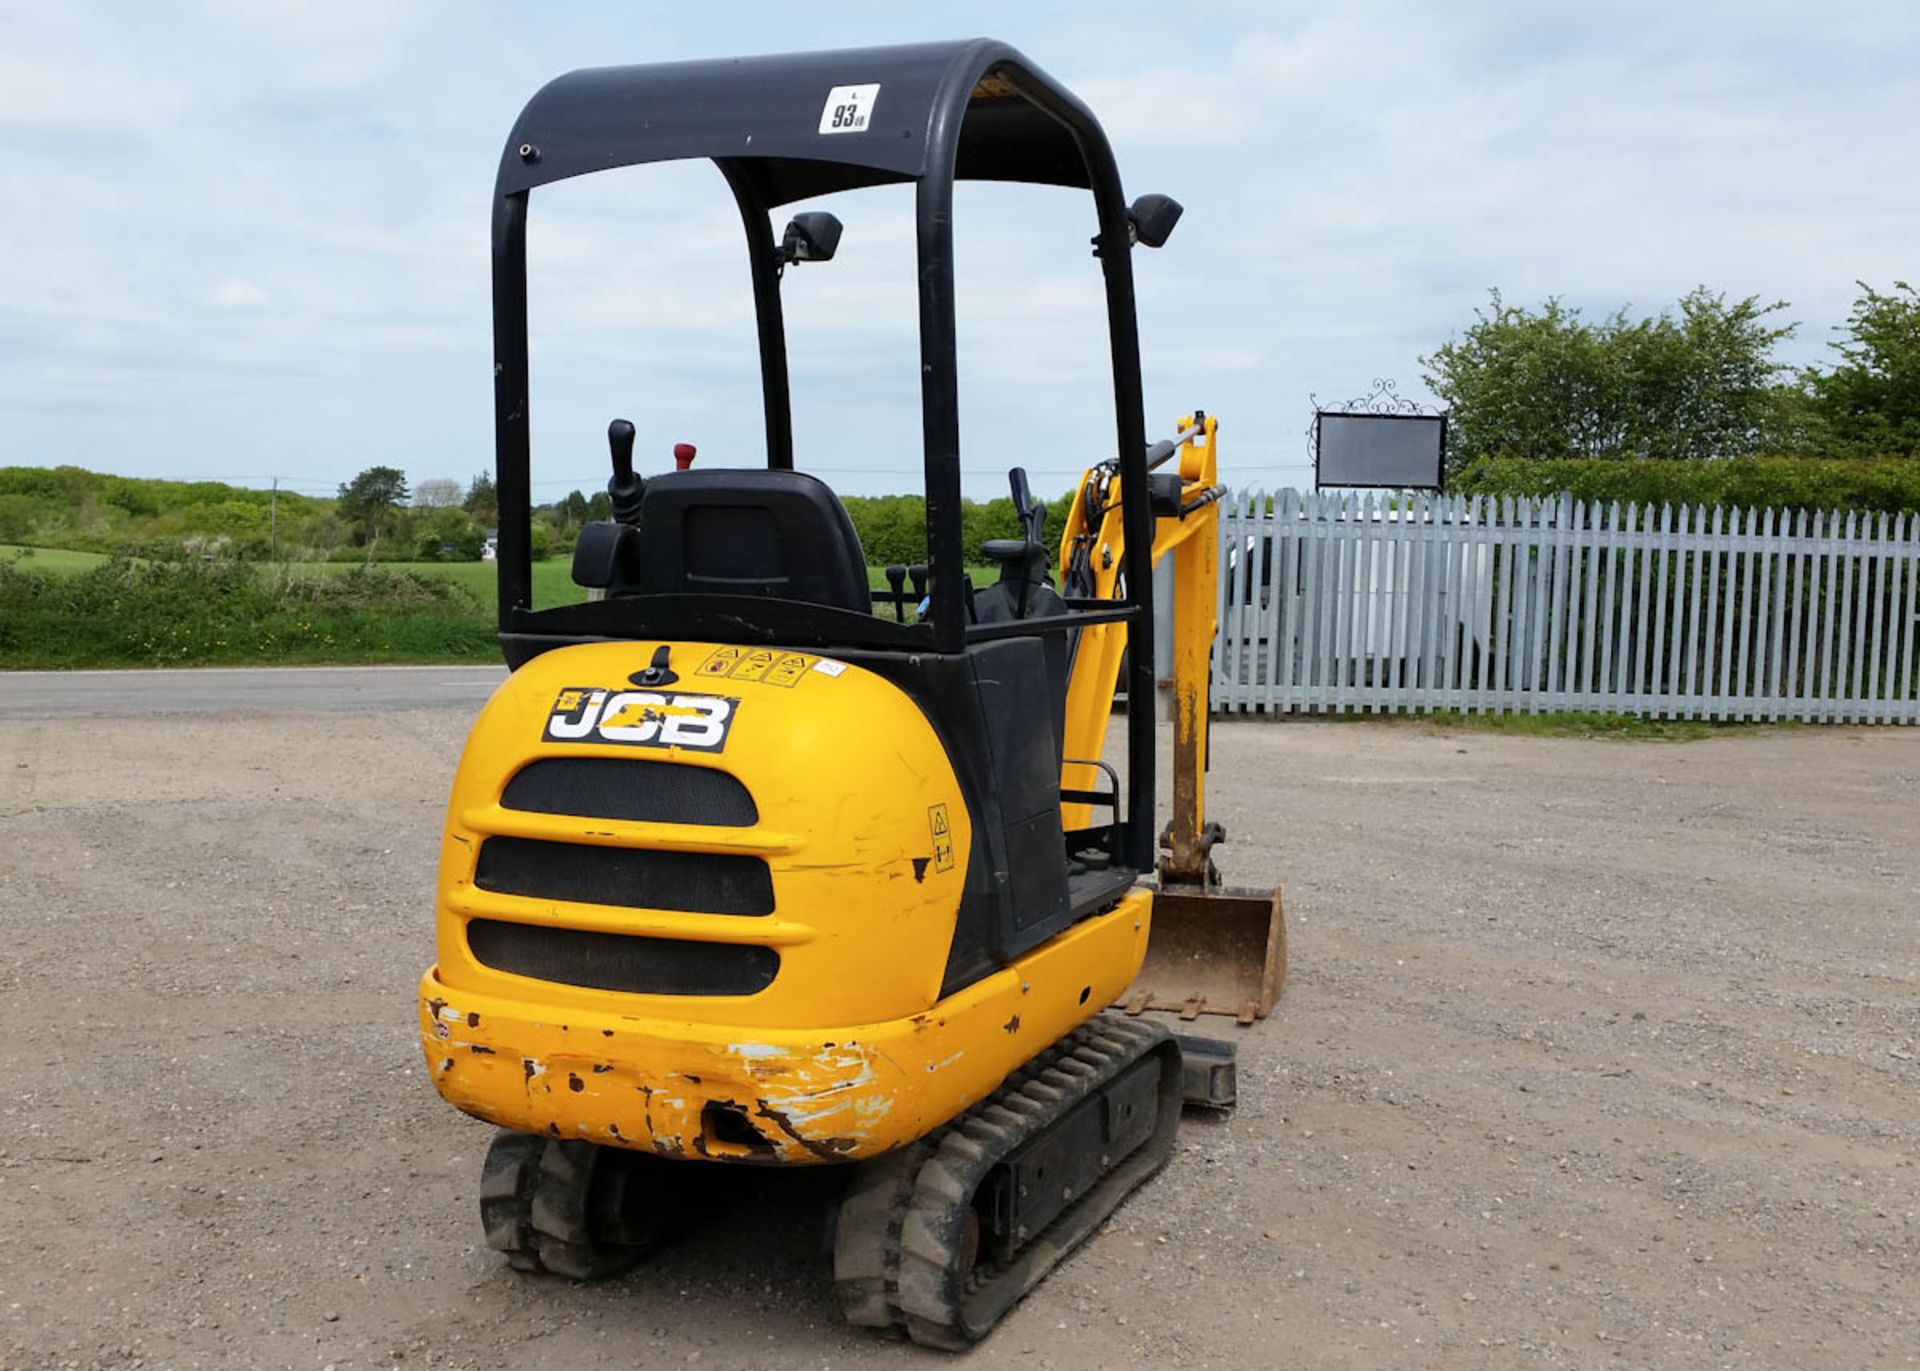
480	1049
575	1084
473	1018
1011	1025
827	1149
434	1006
601	1068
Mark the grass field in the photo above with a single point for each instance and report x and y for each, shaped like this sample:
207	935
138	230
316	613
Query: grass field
49	558
552	579
73	609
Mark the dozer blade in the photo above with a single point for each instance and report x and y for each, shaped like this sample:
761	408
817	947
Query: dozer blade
1212	952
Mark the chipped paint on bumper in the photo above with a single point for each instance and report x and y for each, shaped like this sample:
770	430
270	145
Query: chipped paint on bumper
808	1097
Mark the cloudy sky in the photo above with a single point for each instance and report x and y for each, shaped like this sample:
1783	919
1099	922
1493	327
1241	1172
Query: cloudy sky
242	239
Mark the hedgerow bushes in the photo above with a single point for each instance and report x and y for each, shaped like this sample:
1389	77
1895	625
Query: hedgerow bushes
145	613
1872	484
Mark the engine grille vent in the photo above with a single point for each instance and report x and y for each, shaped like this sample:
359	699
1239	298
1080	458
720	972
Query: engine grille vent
637	791
616	961
634	877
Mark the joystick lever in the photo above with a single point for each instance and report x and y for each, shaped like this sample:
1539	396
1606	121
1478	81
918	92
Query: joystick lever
625	488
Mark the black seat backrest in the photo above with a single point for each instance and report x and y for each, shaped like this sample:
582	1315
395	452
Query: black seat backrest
750	532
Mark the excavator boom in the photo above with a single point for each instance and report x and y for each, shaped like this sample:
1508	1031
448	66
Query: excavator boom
1212	950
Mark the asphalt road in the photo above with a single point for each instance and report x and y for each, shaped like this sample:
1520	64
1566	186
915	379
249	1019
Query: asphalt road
241	690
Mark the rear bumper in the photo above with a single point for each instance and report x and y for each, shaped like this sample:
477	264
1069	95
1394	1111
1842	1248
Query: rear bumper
760	1095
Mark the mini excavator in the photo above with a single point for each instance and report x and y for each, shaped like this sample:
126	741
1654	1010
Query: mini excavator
749	864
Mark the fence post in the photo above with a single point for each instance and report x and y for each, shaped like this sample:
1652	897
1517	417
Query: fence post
1870	576
1753	627
1911	621
1609	541
1732	604
1286	532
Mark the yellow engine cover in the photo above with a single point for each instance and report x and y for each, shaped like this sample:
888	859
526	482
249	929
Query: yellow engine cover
847	1050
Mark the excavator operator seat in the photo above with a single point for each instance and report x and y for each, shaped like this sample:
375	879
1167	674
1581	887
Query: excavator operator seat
750	532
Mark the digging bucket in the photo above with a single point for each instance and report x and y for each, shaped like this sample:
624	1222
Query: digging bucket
1212	951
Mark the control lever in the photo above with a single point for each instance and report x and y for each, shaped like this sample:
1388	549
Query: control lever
1032	516
897	579
1033	526
918	572
625	488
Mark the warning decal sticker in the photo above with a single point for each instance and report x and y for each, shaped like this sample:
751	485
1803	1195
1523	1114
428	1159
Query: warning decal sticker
759	664
942	829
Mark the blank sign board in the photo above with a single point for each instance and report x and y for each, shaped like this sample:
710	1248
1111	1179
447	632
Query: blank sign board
1403	451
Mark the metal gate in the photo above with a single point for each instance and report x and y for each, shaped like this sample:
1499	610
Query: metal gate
1343	603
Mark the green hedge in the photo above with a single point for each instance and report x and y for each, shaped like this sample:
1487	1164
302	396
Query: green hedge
1890	484
141	613
893	528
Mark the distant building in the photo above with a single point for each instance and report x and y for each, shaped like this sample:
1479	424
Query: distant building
491	552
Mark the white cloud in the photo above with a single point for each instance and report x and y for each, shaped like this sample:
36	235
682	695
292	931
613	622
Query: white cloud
1354	177
237	293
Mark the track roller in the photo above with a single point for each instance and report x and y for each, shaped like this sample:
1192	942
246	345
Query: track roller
941	1239
574	1208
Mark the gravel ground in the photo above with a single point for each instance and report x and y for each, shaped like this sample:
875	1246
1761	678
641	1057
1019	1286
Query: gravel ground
1593	1054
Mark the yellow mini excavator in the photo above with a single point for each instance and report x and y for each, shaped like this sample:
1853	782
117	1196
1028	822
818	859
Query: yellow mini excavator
747	863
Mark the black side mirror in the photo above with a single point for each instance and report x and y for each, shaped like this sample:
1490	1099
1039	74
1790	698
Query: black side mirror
810	237
1153	218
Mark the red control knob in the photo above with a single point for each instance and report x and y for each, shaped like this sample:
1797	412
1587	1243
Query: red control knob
683	456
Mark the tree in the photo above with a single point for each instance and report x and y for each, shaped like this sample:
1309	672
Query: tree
1547	384
447	535
368	501
1869	403
483	501
439	492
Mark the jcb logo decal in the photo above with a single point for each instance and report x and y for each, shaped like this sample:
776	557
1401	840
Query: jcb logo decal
641	718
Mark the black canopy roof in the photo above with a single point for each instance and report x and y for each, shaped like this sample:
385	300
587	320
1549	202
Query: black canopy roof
763	116
778	128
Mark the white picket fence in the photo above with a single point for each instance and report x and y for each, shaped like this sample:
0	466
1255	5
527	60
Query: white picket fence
1388	602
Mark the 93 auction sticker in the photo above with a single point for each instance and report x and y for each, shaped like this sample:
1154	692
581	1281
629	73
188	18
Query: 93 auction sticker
641	718
848	108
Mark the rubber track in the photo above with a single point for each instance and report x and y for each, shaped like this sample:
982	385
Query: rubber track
896	1253
536	1205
